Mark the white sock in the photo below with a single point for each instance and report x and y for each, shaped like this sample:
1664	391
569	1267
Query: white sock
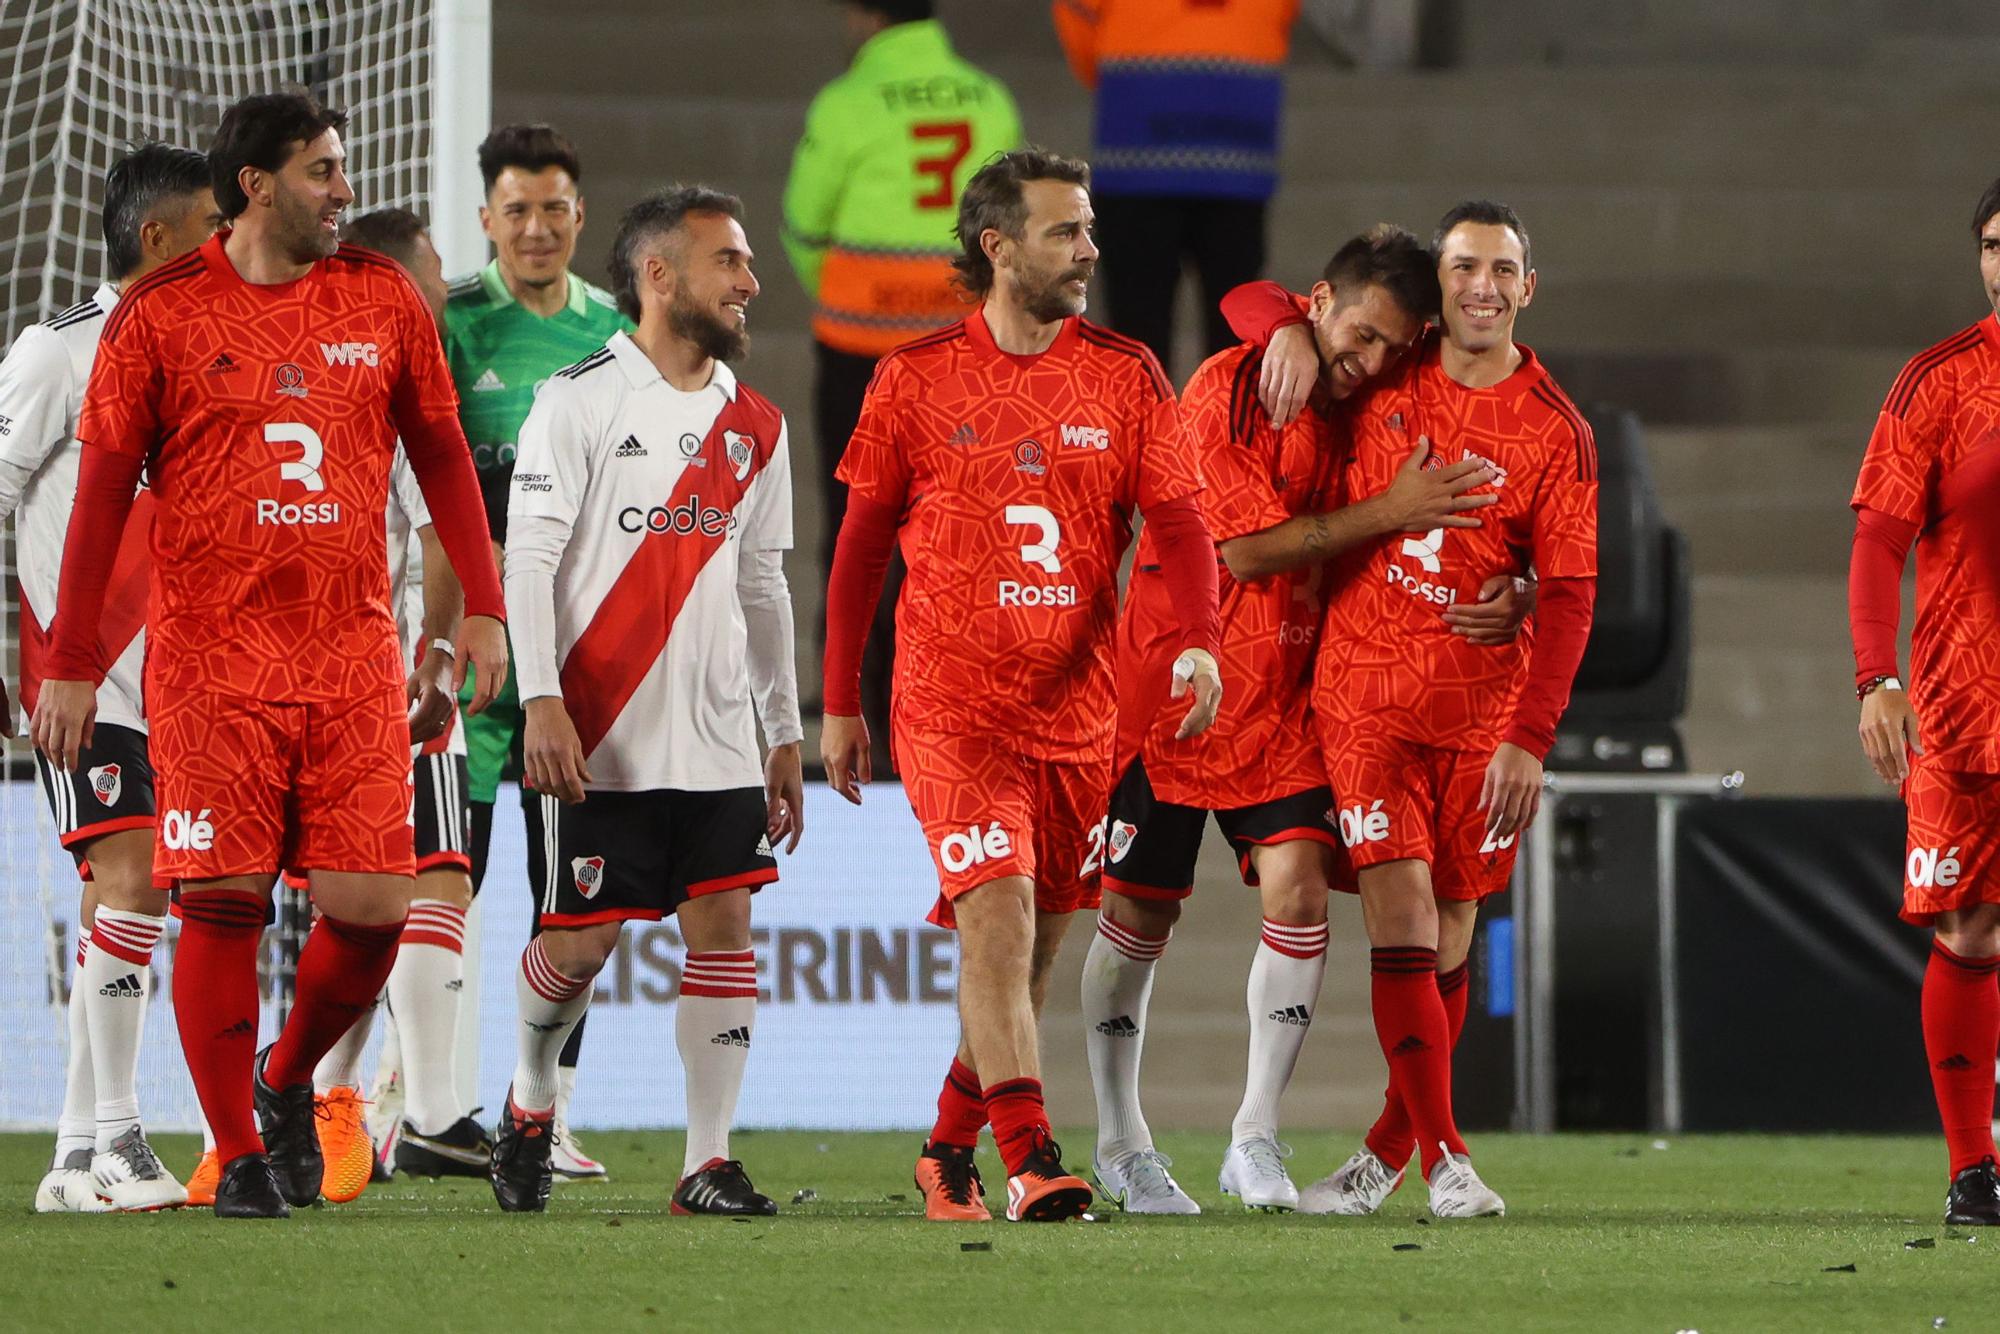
712	1026
549	1004
1117	986
116	977
341	1066
207	1135
1283	989
76	1128
423	994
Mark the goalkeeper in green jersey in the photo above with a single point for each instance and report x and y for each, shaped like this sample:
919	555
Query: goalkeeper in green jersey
509	327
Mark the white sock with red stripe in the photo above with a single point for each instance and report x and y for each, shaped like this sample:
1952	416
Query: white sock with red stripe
341	1066
550	1005
116	977
716	1014
1283	990
423	994
76	1128
1117	987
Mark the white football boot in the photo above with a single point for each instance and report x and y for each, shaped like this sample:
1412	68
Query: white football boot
129	1174
1254	1171
1457	1191
1357	1189
1138	1182
567	1158
70	1189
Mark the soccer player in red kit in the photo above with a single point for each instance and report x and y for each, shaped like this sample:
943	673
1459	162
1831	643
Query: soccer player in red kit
261	383
1008	452
1931	477
1434	742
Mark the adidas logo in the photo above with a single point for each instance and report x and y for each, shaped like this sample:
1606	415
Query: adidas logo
964	437
630	448
127	985
488	382
764	845
1410	1046
1121	1027
735	1037
242	1028
222	364
1292	1014
1956	1061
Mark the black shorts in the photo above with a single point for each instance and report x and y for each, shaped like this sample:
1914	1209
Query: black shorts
1151	845
441	815
626	856
110	789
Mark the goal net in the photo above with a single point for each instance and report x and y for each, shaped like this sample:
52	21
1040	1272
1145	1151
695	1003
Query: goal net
80	81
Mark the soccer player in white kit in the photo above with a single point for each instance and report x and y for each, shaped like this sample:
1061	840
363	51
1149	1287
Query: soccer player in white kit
157	207
650	510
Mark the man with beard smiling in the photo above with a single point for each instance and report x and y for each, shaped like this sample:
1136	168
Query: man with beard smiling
1008	452
651	508
262	382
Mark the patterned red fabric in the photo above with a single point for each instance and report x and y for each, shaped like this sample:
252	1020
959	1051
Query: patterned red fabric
268	418
1950	860
1941	416
1016	478
1261	746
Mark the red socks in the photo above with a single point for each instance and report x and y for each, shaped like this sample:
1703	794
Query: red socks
215	1007
341	972
1961	1033
1416	1038
1019	1120
961	1108
1393	1138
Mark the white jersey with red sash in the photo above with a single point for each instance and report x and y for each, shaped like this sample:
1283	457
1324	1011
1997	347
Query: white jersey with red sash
664	494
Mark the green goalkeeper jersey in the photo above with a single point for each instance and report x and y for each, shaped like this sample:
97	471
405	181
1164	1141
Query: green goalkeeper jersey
500	353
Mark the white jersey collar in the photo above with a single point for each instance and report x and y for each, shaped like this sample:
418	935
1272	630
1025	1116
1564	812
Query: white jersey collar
106	296
641	372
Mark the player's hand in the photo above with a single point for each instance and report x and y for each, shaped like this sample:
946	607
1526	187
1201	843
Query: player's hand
551	753
1195	670
429	698
1291	369
843	749
1512	792
1421	499
482	649
65	719
1888	733
1504	602
784	795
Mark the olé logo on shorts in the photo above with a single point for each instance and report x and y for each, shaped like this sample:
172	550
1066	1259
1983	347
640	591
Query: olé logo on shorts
183	831
1121	838
973	845
1359	824
1928	869
105	784
589	873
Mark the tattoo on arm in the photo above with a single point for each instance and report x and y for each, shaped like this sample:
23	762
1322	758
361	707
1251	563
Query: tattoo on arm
1317	534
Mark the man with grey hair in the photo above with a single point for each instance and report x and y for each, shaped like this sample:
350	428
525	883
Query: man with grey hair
651	509
157	207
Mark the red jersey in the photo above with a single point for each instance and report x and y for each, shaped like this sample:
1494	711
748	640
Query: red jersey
268	418
1261	745
1388	660
1016	477
1943	408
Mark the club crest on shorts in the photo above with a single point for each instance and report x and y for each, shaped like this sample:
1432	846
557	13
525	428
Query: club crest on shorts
589	873
1121	838
741	448
105	784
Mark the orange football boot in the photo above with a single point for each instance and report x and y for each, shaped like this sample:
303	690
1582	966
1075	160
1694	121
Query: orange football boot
1043	1191
201	1186
950	1184
344	1143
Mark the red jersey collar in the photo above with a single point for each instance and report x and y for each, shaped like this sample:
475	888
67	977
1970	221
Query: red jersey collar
219	265
1524	377
1990	326
982	338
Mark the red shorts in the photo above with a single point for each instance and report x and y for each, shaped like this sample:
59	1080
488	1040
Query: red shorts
988	811
1401	800
1949	861
246	787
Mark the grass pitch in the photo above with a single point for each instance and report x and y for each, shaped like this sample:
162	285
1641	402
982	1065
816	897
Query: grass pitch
1603	1233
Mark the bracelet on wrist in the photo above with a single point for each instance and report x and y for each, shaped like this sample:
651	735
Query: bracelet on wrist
1873	684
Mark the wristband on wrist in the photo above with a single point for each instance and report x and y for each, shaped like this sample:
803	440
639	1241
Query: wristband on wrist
444	646
1869	687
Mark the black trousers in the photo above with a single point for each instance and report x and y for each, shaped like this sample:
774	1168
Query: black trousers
840	383
1147	240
